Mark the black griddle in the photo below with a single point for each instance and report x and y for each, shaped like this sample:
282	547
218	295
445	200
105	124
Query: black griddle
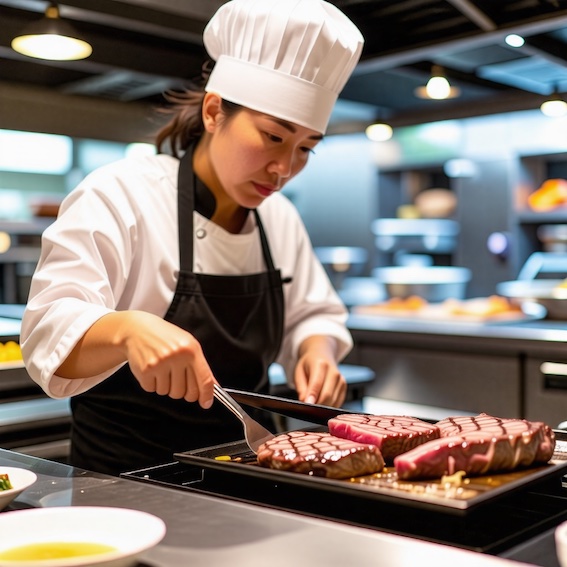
492	525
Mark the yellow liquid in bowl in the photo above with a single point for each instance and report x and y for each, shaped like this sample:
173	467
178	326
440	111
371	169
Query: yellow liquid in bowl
54	550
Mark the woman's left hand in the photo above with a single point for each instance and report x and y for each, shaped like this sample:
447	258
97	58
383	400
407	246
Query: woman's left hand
317	376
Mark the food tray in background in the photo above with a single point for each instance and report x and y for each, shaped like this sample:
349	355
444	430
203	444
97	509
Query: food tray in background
453	496
468	311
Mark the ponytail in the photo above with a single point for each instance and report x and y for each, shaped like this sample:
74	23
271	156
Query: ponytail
186	126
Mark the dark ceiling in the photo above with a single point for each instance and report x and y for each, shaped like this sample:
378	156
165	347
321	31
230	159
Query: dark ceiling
143	47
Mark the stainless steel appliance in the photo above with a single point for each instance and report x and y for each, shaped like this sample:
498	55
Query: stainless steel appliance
397	238
30	422
542	280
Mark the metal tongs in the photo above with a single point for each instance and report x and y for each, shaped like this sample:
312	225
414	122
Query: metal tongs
254	433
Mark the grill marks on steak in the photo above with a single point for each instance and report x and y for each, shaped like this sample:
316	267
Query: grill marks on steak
478	445
535	433
320	454
393	435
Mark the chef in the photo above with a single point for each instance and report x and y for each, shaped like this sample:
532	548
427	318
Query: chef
164	274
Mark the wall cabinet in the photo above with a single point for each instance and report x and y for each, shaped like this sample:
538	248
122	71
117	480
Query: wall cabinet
532	171
398	189
492	199
484	205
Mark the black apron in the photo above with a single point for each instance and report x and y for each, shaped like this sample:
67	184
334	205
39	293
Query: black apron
238	320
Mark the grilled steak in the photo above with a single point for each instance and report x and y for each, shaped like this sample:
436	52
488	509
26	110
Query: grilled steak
535	433
393	435
478	445
320	454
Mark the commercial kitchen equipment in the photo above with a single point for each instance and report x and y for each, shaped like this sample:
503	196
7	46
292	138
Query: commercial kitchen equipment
30	422
542	279
341	262
498	524
397	237
432	283
219	530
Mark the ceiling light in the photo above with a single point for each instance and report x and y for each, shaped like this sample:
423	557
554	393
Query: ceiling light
438	87
379	132
554	107
51	38
514	40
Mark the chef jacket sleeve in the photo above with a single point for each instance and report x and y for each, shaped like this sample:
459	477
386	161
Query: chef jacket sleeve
86	254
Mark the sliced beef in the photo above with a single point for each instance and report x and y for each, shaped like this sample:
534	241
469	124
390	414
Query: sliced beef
538	436
393	435
320	454
478	445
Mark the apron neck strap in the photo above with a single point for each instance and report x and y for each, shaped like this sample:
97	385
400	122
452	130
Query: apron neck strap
186	186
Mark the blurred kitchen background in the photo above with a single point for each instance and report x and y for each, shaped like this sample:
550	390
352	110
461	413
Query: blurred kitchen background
459	194
449	188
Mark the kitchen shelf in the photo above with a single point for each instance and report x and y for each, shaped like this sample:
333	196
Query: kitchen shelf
550	217
11	365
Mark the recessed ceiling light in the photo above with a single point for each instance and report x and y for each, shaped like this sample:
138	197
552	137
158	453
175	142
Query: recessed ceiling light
514	40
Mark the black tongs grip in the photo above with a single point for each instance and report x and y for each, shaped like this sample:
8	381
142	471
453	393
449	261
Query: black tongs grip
313	413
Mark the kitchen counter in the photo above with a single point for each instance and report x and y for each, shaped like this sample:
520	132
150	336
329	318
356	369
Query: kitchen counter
530	336
514	369
214	531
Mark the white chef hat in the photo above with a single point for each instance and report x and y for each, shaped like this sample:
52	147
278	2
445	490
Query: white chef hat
286	58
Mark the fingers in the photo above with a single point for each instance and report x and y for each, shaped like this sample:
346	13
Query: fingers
182	383
320	381
176	367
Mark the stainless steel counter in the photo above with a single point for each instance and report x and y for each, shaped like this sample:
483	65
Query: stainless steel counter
514	369
540	335
9	328
209	530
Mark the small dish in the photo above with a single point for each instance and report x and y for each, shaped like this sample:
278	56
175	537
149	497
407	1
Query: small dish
120	534
20	479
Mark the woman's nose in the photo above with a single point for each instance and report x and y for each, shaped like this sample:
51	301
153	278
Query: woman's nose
282	166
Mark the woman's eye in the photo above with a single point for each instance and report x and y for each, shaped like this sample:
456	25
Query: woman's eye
274	138
308	150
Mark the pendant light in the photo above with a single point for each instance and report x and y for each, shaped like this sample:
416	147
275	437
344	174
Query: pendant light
438	87
379	132
51	38
554	107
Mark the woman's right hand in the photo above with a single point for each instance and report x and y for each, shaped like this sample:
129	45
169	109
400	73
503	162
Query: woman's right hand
164	358
167	360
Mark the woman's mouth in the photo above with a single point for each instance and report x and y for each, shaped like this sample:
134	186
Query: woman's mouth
264	190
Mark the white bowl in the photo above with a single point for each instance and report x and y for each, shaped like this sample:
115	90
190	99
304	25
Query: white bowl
561	543
20	479
129	532
432	283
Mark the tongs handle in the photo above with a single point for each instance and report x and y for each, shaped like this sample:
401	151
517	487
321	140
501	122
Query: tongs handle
228	401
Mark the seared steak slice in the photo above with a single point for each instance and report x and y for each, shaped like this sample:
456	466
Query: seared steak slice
536	434
478	445
320	454
393	435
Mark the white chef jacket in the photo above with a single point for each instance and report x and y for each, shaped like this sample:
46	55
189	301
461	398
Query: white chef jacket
114	246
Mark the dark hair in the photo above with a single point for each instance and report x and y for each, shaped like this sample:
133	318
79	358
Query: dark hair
187	126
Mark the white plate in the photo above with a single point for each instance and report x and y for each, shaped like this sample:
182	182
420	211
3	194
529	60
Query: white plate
20	480
130	532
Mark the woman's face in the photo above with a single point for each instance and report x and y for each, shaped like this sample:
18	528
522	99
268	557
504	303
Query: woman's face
253	155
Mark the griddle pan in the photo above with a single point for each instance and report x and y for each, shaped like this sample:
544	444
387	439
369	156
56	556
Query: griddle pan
236	459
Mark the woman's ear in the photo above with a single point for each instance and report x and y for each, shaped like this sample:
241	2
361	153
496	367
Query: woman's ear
211	111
